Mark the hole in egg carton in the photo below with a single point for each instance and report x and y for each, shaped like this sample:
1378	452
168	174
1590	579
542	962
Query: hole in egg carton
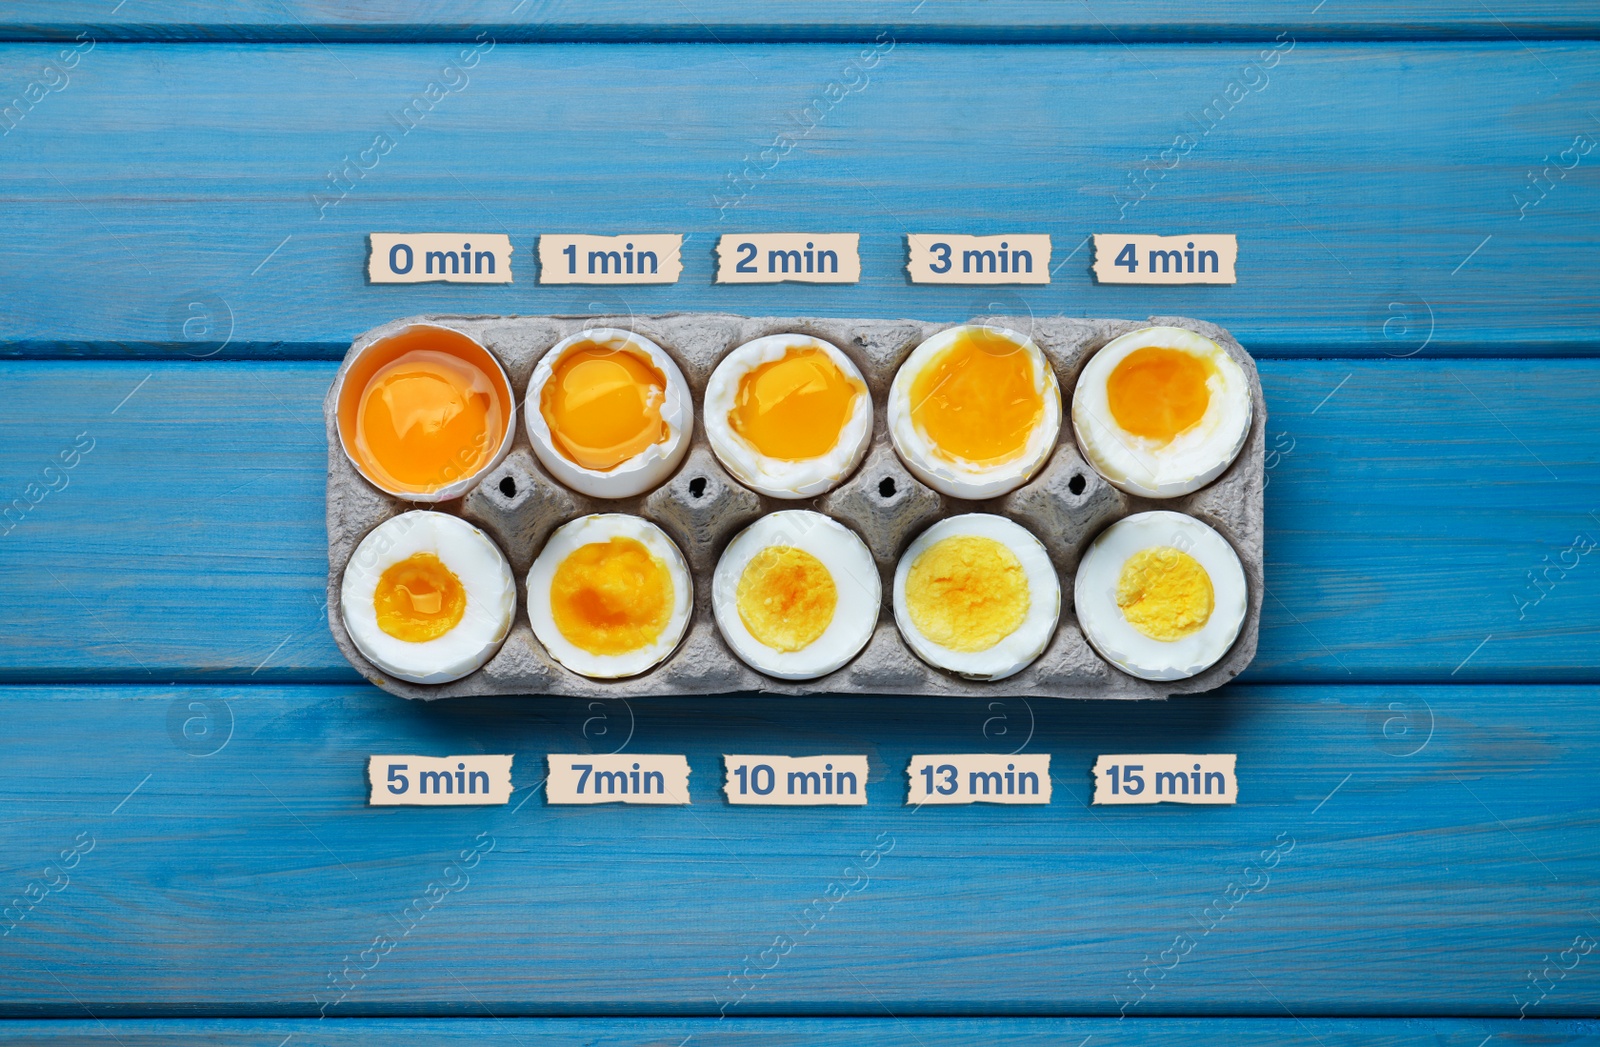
884	503
518	505
701	508
1066	505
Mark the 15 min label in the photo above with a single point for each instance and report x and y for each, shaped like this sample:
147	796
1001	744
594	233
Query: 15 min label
1130	778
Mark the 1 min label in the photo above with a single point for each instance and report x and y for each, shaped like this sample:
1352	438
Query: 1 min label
452	258
773	258
438	781
1015	258
1197	258
978	778
1165	778
638	258
796	781
583	778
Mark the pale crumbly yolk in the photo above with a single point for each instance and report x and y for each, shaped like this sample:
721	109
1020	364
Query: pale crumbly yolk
967	593
603	405
786	597
978	401
1157	393
611	597
1165	593
419	599
794	407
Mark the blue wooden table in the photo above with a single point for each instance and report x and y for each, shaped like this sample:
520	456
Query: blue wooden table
188	856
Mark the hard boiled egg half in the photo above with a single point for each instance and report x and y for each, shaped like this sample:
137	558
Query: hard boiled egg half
609	596
796	594
427	597
977	595
1160	595
608	413
789	415
1161	412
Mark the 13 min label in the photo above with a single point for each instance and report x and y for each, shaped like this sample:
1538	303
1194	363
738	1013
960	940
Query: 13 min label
948	778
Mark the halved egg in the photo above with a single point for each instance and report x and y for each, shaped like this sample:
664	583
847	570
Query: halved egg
789	415
1161	412
427	597
977	595
1160	595
796	594
608	413
610	595
974	411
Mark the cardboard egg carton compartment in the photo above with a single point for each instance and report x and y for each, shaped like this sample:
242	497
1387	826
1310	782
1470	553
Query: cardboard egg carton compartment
702	507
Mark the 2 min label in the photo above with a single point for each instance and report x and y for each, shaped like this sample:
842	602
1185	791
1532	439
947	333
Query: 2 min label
949	778
772	258
1134	778
796	781
1195	258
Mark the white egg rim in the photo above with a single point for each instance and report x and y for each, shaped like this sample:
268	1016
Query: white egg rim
1110	633
854	619
600	527
407	534
1037	628
777	477
1122	458
645	470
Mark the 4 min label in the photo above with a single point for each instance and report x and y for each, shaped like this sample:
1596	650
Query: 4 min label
1194	258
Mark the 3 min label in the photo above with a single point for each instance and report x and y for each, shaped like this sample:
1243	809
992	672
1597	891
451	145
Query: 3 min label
1016	258
948	778
796	781
1195	258
1131	778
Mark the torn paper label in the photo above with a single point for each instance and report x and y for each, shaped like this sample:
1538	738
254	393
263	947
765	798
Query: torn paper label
795	781
633	258
438	781
1010	258
772	258
453	258
978	778
1128	778
583	778
1193	258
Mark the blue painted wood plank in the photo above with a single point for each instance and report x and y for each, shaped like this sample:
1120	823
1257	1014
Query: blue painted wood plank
1381	192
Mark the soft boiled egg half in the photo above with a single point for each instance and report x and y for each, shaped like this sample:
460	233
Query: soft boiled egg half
608	413
796	594
977	595
609	596
427	597
1161	412
789	415
975	411
1160	595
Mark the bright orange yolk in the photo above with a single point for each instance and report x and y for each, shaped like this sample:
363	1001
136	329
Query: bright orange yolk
795	407
977	401
1157	393
786	597
419	599
427	419
611	597
603	405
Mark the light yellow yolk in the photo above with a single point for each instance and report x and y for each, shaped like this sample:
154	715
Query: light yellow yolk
611	597
1157	393
419	599
978	401
967	593
794	407
1165	593
603	405
786	597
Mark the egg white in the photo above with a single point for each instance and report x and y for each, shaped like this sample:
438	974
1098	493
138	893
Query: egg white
602	527
776	477
486	580
855	577
1195	456
1109	631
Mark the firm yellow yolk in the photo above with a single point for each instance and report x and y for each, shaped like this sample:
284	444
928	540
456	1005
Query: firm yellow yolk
603	405
967	593
977	401
419	599
1165	593
1158	393
795	407
611	597
426	420
786	597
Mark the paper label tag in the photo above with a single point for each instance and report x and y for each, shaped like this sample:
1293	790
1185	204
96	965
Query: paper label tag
1012	258
1165	778
617	778
978	778
1197	258
639	258
772	258
453	258
796	781
438	781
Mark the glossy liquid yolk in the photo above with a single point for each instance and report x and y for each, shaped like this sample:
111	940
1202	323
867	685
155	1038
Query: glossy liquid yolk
1158	393
419	599
1165	593
978	401
603	406
426	420
967	593
786	597
611	597
794	407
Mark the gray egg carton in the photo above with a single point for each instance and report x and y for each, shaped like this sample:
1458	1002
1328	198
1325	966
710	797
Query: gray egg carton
702	507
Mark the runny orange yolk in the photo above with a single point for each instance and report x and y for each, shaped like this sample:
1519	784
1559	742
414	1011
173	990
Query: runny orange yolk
419	599
967	592
978	401
603	405
1157	393
611	597
786	597
795	407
